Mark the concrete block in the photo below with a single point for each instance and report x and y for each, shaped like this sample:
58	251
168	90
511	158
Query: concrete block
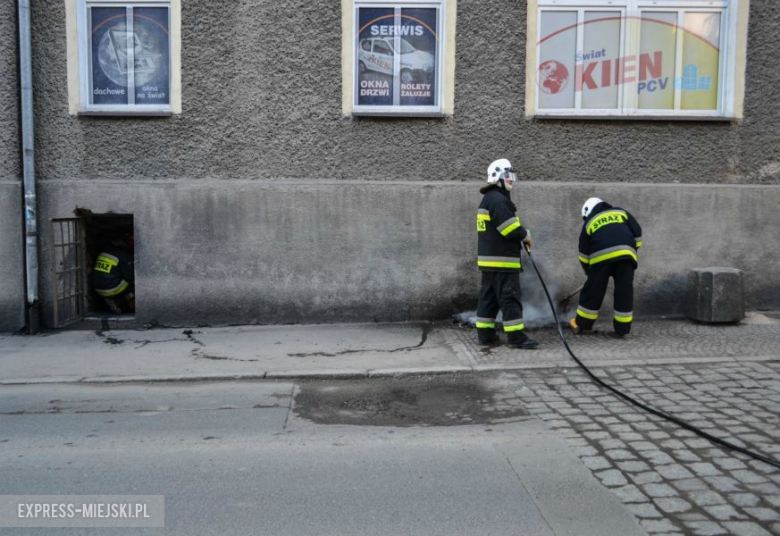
715	295
163	378
335	374
414	371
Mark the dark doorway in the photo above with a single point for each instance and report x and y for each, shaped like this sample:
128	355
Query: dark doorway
110	262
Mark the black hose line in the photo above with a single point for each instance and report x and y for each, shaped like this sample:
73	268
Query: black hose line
649	409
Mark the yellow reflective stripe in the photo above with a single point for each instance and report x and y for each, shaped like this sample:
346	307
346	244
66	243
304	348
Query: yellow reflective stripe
483	217
486	325
638	244
494	264
113	291
620	253
589	316
517	327
624	319
105	262
606	218
511	228
584	259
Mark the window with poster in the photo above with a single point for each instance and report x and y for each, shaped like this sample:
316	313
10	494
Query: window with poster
125	59
397	48
677	59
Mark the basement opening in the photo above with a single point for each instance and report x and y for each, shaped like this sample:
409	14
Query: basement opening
110	262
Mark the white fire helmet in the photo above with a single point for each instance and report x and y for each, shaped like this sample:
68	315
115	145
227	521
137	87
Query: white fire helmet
501	170
589	205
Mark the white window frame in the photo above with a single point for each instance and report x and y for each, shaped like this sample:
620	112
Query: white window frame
84	62
629	44
436	110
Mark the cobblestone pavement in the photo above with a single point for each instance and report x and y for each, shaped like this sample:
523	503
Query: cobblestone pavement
672	480
650	341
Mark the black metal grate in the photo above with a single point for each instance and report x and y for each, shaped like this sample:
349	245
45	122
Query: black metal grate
68	270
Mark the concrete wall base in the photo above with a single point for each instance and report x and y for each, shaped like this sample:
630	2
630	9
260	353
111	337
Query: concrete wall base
246	251
12	282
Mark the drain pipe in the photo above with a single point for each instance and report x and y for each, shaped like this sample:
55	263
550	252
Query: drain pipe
28	166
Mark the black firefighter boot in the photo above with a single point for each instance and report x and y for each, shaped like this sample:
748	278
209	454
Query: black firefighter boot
519	339
488	337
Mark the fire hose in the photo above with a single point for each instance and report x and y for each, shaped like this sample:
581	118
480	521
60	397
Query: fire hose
635	402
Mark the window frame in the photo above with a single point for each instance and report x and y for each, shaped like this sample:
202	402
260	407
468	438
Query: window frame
83	18
436	110
630	44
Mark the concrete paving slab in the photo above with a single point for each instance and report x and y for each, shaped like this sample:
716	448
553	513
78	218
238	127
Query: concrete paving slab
356	350
336	374
565	492
233	459
410	371
93	399
341	351
172	378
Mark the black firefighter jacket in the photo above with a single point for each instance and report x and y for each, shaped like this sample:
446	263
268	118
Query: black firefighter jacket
113	272
499	232
611	234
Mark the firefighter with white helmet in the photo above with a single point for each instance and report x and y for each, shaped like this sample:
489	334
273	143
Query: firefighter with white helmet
500	241
609	241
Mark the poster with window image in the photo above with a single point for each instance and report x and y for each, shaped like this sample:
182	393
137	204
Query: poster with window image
129	55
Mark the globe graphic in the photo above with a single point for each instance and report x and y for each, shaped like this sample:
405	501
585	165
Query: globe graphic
148	50
553	77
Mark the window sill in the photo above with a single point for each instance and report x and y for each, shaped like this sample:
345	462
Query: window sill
437	113
638	117
157	112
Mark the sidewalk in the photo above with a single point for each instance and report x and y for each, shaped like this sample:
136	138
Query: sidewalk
357	351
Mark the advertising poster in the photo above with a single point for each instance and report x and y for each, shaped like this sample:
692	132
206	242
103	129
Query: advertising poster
109	74
701	61
557	48
115	46
396	56
376	56
599	71
659	37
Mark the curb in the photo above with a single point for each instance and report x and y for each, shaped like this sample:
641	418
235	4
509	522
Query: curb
356	374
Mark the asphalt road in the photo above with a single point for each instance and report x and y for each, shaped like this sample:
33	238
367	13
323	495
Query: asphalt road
417	456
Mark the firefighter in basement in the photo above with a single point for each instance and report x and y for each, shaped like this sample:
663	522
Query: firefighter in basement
500	239
608	247
113	276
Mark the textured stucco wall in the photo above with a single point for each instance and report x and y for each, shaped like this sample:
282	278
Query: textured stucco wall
262	99
11	259
9	96
241	251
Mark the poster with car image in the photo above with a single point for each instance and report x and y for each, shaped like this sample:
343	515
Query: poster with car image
396	56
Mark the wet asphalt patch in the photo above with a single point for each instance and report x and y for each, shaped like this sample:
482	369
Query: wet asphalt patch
447	400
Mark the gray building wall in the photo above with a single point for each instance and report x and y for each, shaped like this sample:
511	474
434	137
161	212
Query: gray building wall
262	100
261	251
12	288
262	202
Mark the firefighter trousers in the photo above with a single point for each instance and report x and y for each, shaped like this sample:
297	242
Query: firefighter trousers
500	291
622	272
